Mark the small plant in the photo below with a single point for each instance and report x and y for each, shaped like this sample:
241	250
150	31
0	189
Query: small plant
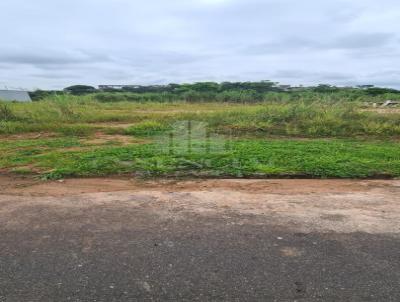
22	170
6	114
75	130
147	128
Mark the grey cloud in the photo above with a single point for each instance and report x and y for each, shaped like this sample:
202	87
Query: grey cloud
292	44
160	58
323	75
54	75
45	58
57	43
362	40
392	73
352	41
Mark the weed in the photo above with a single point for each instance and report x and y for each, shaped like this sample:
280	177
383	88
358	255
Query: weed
358	143
147	128
6	114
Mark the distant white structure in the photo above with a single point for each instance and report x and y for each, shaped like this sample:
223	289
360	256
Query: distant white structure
119	87
15	95
390	103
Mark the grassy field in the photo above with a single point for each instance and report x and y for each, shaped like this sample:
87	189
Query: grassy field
71	136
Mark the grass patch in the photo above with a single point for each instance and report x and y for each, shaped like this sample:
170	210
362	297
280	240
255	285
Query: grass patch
6	114
76	130
244	151
292	119
147	128
236	158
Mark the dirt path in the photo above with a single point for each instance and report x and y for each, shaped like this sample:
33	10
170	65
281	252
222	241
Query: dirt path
121	239
12	185
371	206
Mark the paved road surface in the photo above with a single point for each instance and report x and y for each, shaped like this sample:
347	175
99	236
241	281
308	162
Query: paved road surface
276	240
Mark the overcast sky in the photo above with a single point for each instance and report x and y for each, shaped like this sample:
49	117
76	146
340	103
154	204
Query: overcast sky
56	43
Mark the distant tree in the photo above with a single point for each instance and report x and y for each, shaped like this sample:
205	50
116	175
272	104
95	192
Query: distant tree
324	88
205	87
263	86
173	87
378	91
79	89
227	86
38	95
365	86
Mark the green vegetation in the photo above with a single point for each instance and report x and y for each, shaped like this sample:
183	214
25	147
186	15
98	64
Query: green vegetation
240	92
82	116
206	131
147	128
238	158
79	89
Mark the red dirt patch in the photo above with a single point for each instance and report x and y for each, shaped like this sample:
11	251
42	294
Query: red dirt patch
102	139
345	206
28	185
25	136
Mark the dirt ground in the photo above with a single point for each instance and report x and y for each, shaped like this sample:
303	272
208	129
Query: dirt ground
121	239
312	205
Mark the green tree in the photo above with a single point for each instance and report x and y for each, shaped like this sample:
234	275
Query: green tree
79	89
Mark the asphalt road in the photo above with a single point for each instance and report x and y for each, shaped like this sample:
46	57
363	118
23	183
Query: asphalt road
136	246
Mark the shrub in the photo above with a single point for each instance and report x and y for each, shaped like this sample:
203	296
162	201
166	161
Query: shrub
146	128
75	130
80	89
6	114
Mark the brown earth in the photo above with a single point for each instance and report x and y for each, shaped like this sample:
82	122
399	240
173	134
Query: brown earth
370	206
31	135
102	139
15	185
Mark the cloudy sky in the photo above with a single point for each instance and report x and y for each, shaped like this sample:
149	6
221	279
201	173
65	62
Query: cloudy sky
56	43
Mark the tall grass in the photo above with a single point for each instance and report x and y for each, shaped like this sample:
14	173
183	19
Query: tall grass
246	153
308	119
79	115
244	96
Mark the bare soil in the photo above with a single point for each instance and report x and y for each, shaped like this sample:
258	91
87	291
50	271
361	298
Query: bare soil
344	206
102	139
33	135
15	185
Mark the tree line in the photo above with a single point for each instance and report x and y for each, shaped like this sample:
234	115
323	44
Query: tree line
209	90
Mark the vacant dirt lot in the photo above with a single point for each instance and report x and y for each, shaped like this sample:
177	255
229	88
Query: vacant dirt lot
222	240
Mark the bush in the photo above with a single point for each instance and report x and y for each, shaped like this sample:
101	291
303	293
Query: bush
75	130
6	114
146	128
80	89
247	96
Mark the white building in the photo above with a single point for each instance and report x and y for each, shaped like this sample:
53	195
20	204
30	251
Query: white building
15	95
